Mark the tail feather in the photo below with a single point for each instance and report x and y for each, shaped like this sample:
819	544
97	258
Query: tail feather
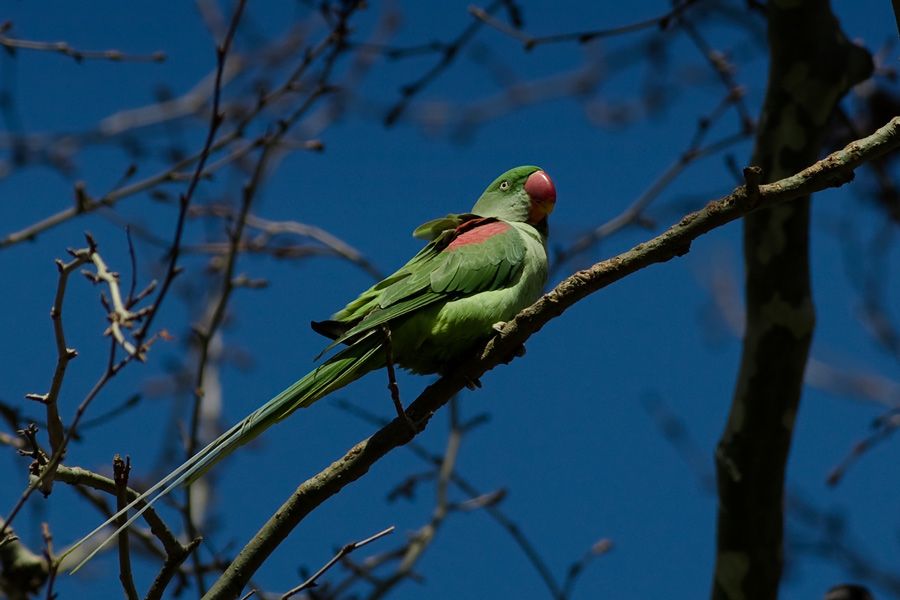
345	367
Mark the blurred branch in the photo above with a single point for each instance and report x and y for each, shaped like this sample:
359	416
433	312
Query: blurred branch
22	572
448	51
11	45
885	427
189	103
50	559
267	144
896	5
814	530
829	537
530	41
723	68
834	170
341	248
734	97
634	213
85	203
269	229
599	548
834	377
216	119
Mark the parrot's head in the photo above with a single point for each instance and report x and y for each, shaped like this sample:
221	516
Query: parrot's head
524	195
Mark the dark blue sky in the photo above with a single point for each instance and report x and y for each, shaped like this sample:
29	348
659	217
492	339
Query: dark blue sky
570	437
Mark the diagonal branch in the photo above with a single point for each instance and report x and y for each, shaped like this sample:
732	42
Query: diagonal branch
832	171
344	551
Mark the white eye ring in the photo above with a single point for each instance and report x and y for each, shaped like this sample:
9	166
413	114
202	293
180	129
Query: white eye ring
504	185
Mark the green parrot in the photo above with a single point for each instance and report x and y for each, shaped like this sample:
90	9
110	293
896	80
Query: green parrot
478	269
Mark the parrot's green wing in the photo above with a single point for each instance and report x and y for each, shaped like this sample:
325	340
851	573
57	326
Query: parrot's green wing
432	229
480	254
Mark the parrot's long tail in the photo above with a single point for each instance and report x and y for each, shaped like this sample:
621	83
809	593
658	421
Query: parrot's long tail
343	368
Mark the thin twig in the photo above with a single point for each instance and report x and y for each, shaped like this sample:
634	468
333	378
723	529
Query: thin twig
215	121
886	426
86	204
575	570
64	354
344	551
169	569
529	41
49	557
723	68
111	370
118	316
14	44
207	332
392	377
121	470
448	52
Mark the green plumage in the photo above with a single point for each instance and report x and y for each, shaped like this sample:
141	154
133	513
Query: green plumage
478	268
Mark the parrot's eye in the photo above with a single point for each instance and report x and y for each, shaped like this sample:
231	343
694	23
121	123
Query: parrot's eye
504	185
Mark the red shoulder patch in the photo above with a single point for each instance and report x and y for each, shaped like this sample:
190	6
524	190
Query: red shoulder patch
477	234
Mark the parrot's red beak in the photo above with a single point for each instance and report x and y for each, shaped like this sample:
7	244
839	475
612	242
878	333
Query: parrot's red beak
542	192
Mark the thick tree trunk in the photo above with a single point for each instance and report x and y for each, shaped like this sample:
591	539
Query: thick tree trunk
812	65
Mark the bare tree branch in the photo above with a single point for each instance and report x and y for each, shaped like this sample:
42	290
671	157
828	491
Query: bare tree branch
530	41
121	470
344	551
12	44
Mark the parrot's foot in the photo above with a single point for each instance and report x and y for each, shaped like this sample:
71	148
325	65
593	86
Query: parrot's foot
408	420
392	383
395	396
520	351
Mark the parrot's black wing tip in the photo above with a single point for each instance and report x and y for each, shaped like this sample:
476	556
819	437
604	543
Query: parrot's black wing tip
330	329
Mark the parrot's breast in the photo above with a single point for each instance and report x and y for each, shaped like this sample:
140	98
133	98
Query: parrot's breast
433	339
